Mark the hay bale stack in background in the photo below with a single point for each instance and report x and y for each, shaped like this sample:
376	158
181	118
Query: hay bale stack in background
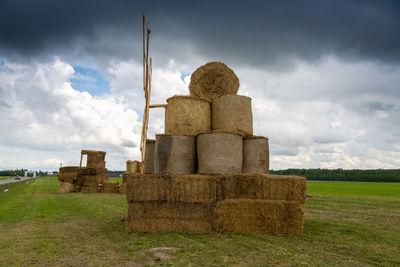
122	188
255	215
66	187
110	187
132	166
187	115
68	174
149	157
99	174
213	80
175	154
232	113
95	159
255	154
219	152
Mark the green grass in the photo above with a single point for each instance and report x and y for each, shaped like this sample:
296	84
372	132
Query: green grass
346	227
354	188
6	177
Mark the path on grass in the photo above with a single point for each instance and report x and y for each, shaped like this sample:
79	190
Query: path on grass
10	181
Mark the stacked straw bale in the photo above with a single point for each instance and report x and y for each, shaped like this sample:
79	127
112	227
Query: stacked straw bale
110	187
175	154
211	133
219	152
256	215
87	179
95	159
149	157
232	113
68	174
213	80
187	115
132	166
255	154
166	202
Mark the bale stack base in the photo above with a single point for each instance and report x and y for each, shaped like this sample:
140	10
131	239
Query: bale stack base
215	203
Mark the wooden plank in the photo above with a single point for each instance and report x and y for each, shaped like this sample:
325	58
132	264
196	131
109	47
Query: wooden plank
158	106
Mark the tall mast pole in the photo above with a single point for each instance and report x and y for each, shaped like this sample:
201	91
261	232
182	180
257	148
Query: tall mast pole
147	70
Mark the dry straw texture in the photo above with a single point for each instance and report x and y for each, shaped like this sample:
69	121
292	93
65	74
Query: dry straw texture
255	155
132	166
91	171
213	188
175	154
68	177
148	166
232	113
110	187
90	189
122	188
165	187
66	187
243	203
163	216
187	115
68	169
212	80
219	153
254	215
265	186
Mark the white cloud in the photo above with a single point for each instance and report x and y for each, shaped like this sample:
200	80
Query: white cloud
47	119
333	114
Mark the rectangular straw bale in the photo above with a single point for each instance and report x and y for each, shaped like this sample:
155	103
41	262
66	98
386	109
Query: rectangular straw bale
243	186
166	216
195	188
145	187
110	189
89	181
102	178
122	188
68	177
264	186
68	169
255	215
92	171
284	187
160	187
90	189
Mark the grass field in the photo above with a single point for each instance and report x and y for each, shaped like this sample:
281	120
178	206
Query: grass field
346	223
6	177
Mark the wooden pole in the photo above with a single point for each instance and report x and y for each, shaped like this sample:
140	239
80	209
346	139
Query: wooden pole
146	85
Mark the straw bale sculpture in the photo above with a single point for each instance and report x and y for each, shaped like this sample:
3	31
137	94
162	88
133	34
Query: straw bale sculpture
208	173
90	179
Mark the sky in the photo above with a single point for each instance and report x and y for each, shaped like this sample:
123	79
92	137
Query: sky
324	76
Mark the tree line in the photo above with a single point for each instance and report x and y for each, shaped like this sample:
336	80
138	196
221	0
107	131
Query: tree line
21	172
375	175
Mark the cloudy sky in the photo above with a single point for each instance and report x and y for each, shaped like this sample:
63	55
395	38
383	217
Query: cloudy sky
324	76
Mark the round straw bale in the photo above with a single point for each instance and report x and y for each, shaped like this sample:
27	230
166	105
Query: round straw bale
232	113
219	153
255	155
187	115
149	156
175	154
132	166
65	187
212	80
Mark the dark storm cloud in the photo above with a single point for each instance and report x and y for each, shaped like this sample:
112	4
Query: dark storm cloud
247	32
